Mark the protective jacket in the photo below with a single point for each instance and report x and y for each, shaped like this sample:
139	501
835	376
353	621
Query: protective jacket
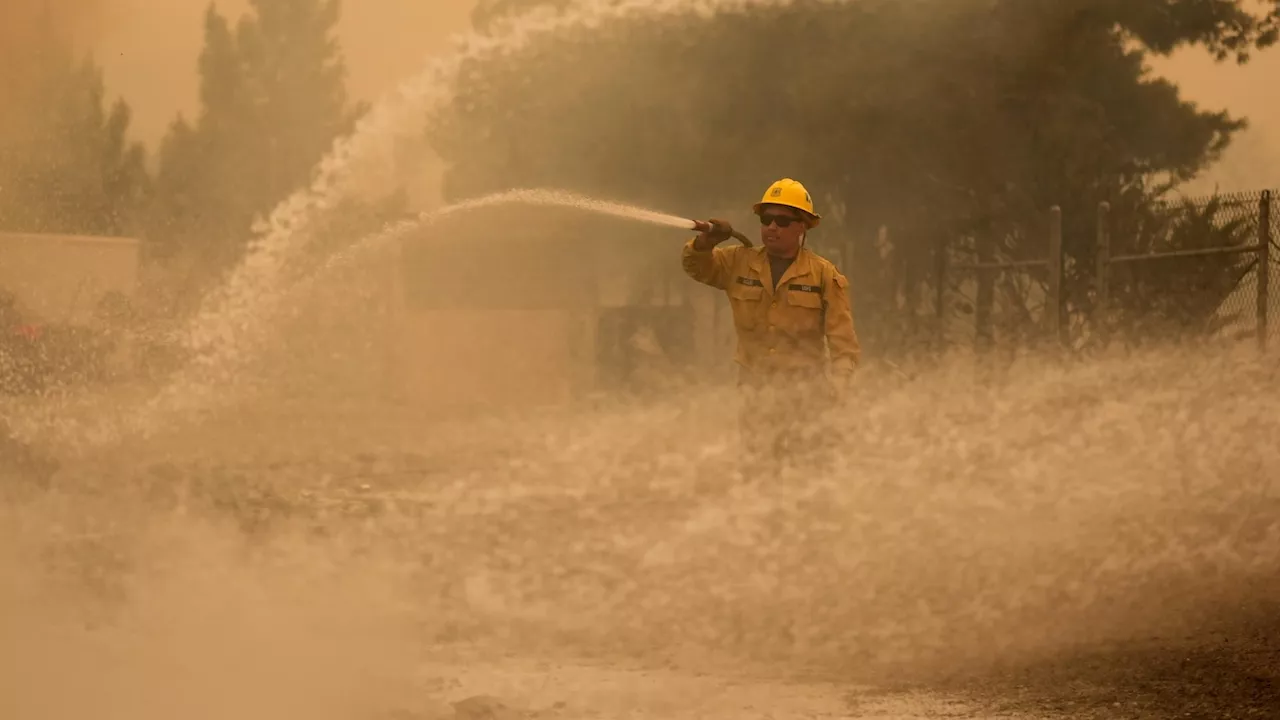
781	331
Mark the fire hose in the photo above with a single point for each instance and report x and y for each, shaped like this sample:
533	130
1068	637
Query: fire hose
708	226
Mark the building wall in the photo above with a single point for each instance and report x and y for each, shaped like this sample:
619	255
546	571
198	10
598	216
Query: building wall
492	317
554	308
483	360
61	278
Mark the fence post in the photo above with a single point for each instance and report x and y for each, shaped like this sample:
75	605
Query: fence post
1102	257
1053	297
1264	269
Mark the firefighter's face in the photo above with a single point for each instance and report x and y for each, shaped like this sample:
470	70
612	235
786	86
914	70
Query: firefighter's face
781	230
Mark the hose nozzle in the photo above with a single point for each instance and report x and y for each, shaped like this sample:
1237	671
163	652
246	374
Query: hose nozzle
708	226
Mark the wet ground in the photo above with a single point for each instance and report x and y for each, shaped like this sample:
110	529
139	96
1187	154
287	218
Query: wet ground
1220	670
599	565
1226	664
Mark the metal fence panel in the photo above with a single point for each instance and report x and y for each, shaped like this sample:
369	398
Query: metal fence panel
1196	269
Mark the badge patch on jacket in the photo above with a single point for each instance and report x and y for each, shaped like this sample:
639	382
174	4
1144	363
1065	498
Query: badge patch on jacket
752	282
805	288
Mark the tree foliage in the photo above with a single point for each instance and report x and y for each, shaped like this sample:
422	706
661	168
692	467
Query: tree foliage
66	163
940	120
272	101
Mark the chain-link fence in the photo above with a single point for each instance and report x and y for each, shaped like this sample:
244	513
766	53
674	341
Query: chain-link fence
1202	269
1001	292
1196	269
1073	278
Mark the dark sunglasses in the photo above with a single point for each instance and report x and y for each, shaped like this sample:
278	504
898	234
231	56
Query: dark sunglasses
783	221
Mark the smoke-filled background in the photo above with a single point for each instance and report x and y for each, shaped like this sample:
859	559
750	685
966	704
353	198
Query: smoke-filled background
386	41
300	420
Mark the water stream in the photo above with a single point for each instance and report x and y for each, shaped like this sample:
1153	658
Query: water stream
307	560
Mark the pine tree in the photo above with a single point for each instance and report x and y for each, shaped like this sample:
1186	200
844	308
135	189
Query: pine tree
272	101
66	163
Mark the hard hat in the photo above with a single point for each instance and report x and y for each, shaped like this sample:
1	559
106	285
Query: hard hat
792	194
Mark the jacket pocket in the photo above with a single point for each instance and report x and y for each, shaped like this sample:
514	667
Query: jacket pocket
804	311
745	301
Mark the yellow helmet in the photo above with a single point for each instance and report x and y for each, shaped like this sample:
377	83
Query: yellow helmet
792	194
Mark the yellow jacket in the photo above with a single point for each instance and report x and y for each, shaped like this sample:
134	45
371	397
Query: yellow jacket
782	331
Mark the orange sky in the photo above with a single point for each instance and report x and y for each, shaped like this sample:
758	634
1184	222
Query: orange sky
1253	161
149	49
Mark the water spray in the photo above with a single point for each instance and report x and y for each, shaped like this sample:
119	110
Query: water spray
190	389
562	198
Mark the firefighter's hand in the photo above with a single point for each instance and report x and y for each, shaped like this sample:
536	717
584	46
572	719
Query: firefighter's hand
720	231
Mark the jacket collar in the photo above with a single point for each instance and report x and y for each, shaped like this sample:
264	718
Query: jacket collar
803	266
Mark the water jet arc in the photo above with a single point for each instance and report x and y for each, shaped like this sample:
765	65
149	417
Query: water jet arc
565	199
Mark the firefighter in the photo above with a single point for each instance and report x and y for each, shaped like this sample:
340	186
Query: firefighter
797	349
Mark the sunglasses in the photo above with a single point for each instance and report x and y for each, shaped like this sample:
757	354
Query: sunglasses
783	221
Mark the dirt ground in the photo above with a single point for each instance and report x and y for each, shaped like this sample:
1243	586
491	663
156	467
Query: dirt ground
1219	674
1228	668
1232	674
598	567
1225	664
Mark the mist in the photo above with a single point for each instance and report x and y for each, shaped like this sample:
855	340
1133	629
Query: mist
352	559
149	50
480	459
24	25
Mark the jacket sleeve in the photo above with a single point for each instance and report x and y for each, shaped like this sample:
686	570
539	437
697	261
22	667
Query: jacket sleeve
709	267
842	339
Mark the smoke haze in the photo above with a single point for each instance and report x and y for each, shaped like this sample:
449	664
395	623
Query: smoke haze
24	24
150	48
316	551
149	51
